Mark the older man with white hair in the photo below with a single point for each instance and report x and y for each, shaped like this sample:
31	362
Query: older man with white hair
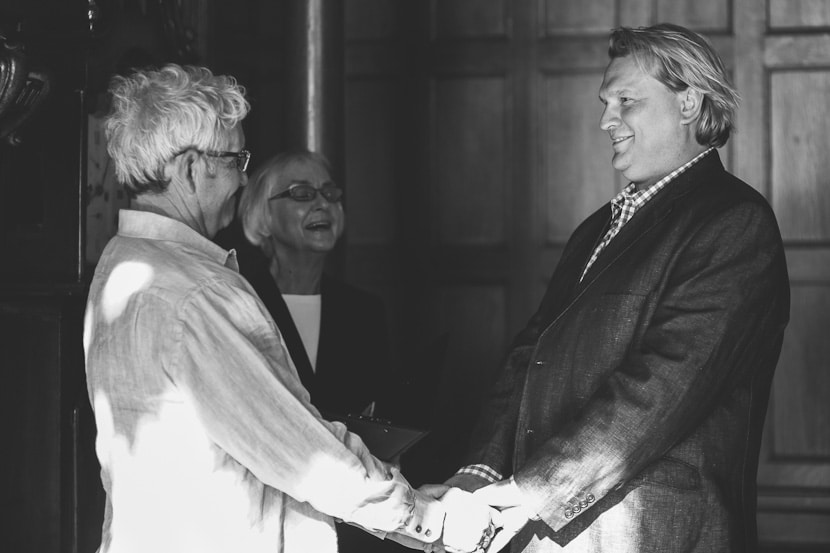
206	437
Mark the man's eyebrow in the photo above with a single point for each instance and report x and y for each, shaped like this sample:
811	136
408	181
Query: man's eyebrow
616	91
620	90
300	181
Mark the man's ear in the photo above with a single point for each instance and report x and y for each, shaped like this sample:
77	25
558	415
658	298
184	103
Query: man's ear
691	102
187	168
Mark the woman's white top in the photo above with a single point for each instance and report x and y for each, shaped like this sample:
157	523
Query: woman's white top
305	311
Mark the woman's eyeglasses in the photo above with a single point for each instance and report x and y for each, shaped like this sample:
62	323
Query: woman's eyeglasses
305	193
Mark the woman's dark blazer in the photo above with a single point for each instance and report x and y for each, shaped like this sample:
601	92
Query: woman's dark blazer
353	359
630	408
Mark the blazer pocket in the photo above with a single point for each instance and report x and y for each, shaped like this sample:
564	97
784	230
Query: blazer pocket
672	473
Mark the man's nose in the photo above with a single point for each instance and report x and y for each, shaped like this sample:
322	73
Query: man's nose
610	119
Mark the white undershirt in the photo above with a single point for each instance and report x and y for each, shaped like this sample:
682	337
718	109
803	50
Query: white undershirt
305	311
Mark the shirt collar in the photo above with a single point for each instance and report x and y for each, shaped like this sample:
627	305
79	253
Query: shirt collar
630	193
152	226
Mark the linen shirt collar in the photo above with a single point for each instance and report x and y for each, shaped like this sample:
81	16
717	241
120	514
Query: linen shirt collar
152	226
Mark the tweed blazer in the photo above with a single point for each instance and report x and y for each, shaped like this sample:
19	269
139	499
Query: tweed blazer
630	409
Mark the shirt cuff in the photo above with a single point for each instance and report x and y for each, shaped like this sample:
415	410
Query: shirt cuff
427	520
482	471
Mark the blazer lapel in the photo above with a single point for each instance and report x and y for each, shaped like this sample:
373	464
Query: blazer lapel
657	209
634	230
272	298
564	286
584	243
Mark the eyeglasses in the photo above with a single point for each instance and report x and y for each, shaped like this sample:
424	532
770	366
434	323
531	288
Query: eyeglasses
242	157
304	192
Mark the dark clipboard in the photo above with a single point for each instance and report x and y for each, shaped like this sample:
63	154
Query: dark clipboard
384	439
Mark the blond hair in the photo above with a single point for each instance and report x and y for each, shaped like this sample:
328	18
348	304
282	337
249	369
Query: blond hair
680	59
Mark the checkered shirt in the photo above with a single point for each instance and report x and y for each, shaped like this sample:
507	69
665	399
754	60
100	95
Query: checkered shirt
626	203
483	471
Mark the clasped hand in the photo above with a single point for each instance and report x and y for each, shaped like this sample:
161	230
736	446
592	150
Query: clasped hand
469	523
507	511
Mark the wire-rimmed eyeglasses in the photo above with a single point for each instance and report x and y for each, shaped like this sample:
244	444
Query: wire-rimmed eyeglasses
242	156
305	192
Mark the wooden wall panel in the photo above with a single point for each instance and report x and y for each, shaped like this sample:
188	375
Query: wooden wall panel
794	469
790	51
794	466
700	15
636	13
370	19
800	137
784	531
469	18
473	318
801	412
784	14
578	176
469	320
370	151
586	16
807	264
470	181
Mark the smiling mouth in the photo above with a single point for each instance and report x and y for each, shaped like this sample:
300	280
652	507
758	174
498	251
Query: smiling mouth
319	225
617	140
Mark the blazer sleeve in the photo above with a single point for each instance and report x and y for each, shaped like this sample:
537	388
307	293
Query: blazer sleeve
724	300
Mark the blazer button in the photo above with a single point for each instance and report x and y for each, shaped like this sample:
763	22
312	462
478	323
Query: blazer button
583	504
590	498
418	528
569	513
428	532
577	508
529	431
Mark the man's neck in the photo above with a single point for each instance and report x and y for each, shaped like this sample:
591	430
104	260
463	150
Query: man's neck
173	206
688	155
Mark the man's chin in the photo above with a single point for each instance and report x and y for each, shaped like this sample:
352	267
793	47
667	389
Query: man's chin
223	221
227	216
619	163
223	224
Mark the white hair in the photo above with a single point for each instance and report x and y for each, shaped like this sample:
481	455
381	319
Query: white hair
158	113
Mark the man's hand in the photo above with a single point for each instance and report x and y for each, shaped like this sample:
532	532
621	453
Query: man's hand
469	525
466	481
507	498
435	491
431	493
